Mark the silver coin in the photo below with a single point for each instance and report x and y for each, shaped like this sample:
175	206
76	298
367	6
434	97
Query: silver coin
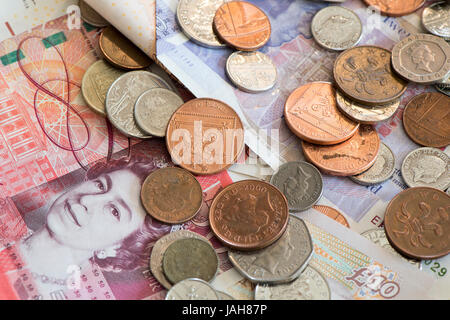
154	109
224	296
381	171
160	247
89	15
444	87
282	262
192	289
436	19
337	28
378	236
122	96
311	285
366	114
427	167
301	183
252	71
196	17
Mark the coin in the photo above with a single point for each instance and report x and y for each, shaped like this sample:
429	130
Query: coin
366	114
365	75
381	171
209	121
154	109
122	96
96	82
91	16
312	114
242	25
311	285
444	87
426	120
224	296
422	58
336	28
172	195
282	262
190	258
378	236
395	8
251	71
417	223
192	289
249	215
160	247
121	52
301	183
426	167
195	18
349	158
333	214
436	19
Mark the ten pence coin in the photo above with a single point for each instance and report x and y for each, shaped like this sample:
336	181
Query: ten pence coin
192	289
396	8
333	214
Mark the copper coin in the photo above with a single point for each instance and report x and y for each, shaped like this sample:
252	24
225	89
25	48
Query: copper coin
396	8
205	136
427	120
311	112
417	223
242	26
172	195
349	158
333	214
365	75
121	52
249	215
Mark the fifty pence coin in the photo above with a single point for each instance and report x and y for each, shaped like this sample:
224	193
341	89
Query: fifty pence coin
154	109
192	289
337	28
301	183
381	171
252	71
427	167
436	19
122	96
282	262
311	285
89	15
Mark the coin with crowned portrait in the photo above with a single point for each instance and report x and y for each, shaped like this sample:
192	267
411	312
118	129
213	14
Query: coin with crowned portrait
89	15
333	214
436	19
192	289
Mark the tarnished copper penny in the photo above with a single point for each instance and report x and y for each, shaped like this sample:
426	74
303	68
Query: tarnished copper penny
249	215
427	120
205	136
242	25
365	75
121	52
333	214
396	8
417	223
172	195
348	158
311	112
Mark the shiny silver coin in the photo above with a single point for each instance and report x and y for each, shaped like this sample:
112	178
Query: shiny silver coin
444	87
301	183
311	285
192	289
89	15
154	109
252	71
282	262
337	28
427	167
196	17
436	19
381	171
224	296
122	96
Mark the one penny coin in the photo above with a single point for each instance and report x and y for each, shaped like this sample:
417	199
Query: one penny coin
312	114
242	25
349	158
396	8
427	120
333	214
364	74
205	136
417	223
249	215
172	195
